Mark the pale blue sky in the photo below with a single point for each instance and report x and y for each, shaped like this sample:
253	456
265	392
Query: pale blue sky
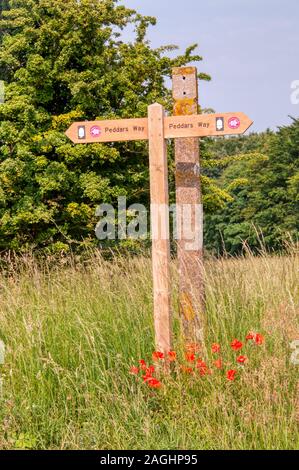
250	48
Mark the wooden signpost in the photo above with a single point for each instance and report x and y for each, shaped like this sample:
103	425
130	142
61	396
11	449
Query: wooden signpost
156	128
188	191
201	125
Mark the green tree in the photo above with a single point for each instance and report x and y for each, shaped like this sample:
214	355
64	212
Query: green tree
65	60
265	205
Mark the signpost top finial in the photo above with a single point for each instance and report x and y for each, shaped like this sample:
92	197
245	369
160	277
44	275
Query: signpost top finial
184	71
155	105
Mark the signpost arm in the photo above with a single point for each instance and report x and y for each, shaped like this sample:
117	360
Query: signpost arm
160	227
189	200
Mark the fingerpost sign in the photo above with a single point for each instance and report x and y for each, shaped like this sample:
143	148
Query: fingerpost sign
156	128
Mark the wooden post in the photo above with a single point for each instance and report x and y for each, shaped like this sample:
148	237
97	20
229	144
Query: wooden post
160	227
188	196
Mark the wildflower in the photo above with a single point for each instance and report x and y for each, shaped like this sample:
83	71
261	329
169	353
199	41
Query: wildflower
236	345
202	367
142	364
200	363
250	336
259	339
256	337
231	374
218	363
146	377
190	357
134	370
149	370
171	356
242	359
154	383
203	370
148	373
215	348
157	355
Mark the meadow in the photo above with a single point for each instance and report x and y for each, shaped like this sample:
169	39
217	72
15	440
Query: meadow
73	328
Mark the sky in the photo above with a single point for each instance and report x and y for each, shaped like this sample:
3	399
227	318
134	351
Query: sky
249	47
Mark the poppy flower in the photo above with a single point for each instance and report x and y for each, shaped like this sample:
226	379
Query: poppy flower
203	371
202	367
250	336
149	370
200	363
231	374
256	337
218	363
259	339
215	348
236	345
190	357
146	377
157	355
171	356
142	364
153	383
242	359
134	370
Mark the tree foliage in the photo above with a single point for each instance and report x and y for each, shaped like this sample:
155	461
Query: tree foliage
65	60
264	207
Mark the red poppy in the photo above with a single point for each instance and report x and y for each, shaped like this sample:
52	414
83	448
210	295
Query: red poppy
190	357
157	355
231	374
202	367
142	364
200	363
215	348
218	363
259	339
256	337
149	370
242	359
154	383
203	371
146	377
171	356
250	336
236	345
134	370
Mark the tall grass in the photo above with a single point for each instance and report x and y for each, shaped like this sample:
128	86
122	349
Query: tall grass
72	331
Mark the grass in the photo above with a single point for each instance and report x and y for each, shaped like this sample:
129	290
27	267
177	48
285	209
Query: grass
72	330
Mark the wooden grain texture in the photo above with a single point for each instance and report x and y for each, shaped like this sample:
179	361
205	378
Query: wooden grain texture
188	193
160	228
